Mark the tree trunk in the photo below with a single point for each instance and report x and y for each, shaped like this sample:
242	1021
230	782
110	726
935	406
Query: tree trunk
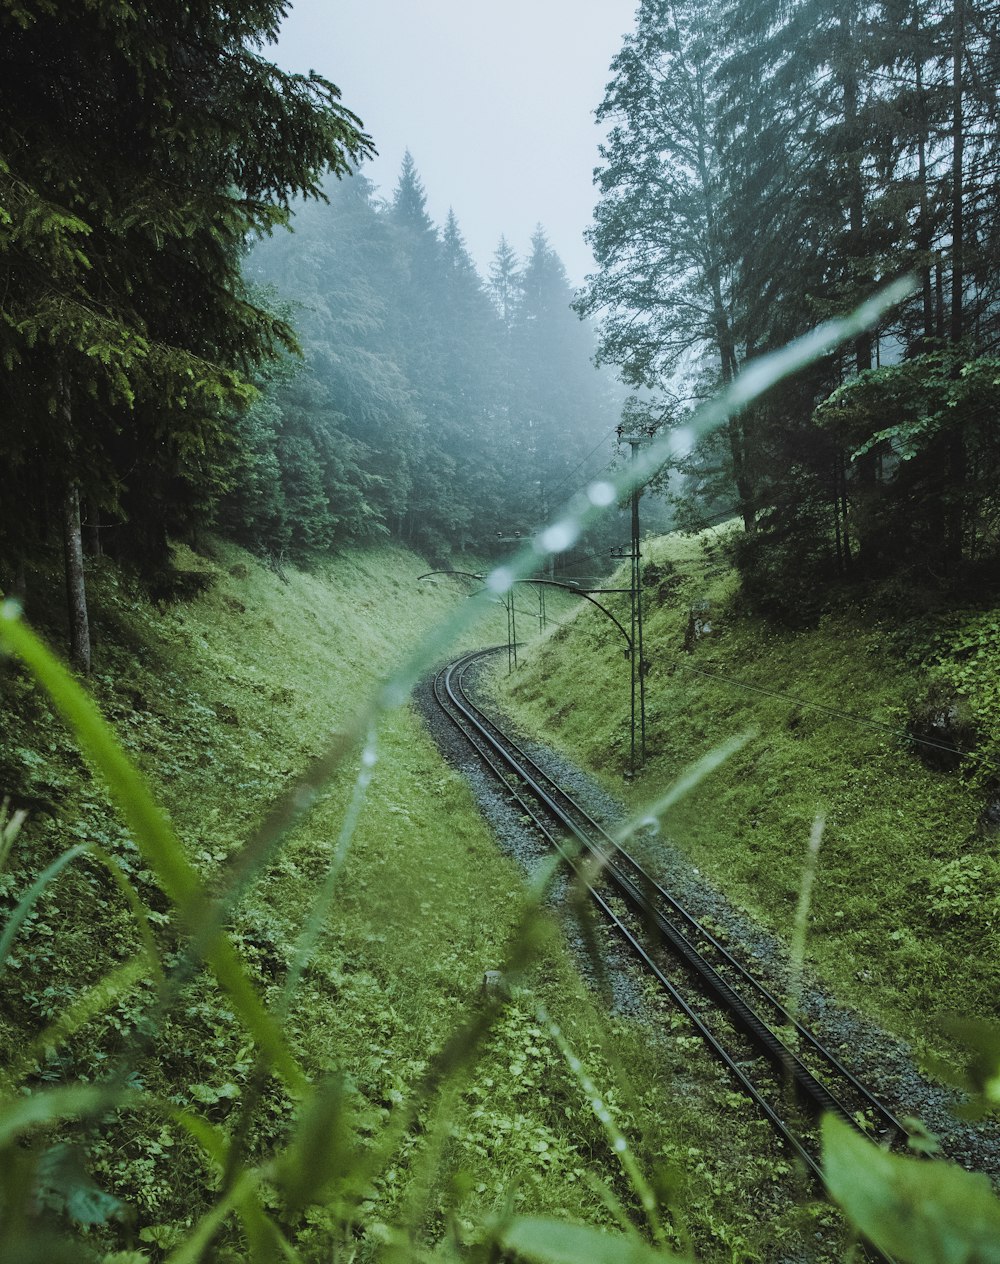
955	493
728	360
957	175
19	588
853	146
924	220
76	588
741	475
92	533
956	442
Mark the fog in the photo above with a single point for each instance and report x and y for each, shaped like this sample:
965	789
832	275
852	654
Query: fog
495	102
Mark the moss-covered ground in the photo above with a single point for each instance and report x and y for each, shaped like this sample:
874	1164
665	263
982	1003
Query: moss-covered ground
223	699
906	904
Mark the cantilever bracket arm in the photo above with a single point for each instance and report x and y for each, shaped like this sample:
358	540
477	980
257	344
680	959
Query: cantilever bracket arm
467	574
554	583
550	583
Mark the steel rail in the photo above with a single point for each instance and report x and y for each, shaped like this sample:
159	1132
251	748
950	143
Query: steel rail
640	885
503	755
743	1014
705	1032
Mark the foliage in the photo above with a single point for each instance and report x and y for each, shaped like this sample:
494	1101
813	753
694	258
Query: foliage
453	413
375	1008
831	703
766	165
914	1211
139	151
930	418
248	1139
966	889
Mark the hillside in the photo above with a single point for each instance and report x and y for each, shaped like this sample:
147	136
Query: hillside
907	890
223	699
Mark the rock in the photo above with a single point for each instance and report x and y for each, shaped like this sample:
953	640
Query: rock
699	625
989	817
942	727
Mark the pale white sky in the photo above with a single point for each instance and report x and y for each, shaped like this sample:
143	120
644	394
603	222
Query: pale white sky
494	100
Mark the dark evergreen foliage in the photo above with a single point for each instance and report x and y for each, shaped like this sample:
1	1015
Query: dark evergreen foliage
152	390
769	165
139	147
458	410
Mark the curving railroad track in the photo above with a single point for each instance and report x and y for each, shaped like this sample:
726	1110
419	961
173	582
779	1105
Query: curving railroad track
772	1056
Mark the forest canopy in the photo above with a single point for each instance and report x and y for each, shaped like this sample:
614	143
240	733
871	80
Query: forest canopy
431	405
769	165
153	386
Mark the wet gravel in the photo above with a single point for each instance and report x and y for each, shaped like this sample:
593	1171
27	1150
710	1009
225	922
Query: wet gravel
878	1059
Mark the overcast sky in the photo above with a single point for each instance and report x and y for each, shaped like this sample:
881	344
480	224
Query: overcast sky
494	100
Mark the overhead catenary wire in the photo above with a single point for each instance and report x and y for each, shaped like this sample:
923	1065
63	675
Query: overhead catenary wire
583	461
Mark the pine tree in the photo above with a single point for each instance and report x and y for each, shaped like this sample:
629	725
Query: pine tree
560	391
505	282
666	292
139	149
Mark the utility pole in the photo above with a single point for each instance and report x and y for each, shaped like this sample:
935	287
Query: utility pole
515	538
511	633
634	438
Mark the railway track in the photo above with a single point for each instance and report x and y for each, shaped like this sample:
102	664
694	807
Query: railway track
790	1075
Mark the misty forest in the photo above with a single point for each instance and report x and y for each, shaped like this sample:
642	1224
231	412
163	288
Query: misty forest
496	769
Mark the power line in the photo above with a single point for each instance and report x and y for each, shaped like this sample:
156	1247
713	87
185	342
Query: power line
600	442
866	721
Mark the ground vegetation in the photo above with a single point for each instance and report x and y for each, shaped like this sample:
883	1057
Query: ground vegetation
222	701
884	724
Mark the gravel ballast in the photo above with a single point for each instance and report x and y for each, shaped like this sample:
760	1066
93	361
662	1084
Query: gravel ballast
879	1059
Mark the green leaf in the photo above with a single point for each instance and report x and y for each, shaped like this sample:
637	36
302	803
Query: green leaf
555	1242
17	1115
27	902
980	1074
322	1148
84	1007
920	1212
64	1186
153	833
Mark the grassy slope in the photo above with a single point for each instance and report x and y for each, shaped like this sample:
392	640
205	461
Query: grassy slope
905	905
223	700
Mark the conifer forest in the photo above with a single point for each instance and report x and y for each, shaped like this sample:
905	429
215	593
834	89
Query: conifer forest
498	765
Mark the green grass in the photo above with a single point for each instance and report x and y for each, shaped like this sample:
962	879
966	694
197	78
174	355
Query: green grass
437	1123
223	702
906	894
333	1086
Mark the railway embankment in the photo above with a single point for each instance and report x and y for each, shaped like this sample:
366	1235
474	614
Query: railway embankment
223	693
223	698
880	723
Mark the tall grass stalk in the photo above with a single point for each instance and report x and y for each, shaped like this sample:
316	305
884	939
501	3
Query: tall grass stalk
616	1138
800	927
313	928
